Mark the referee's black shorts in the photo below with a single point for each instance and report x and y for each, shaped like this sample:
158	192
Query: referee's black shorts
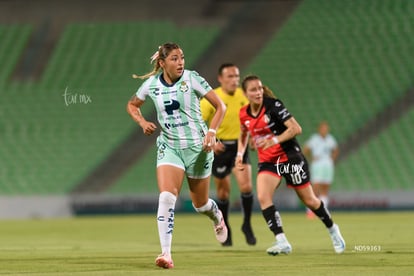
224	162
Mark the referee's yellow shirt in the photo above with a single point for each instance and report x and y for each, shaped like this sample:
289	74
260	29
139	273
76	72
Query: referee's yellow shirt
230	127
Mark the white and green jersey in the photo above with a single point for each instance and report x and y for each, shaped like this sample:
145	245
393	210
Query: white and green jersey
322	148
178	108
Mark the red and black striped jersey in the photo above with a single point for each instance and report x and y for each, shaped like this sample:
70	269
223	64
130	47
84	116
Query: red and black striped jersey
268	123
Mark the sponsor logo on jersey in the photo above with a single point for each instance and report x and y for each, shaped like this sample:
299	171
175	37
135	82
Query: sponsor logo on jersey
284	113
205	84
174	125
156	91
170	106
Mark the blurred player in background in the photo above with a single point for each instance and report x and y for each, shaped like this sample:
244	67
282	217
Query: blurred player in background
322	149
185	143
274	129
226	149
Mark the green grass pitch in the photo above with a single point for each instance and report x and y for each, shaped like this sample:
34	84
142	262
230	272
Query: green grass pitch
378	243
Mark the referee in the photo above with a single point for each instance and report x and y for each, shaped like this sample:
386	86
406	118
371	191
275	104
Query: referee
225	150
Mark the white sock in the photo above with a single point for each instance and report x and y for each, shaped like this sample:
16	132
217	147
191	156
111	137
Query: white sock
333	228
211	210
165	219
281	237
325	200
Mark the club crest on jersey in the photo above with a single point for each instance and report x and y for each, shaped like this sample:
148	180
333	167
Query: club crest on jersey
183	87
161	151
161	154
266	119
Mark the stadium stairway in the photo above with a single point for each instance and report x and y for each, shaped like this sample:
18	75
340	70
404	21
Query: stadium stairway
13	40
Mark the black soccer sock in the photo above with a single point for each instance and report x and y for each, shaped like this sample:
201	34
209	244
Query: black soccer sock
247	205
324	215
223	205
273	219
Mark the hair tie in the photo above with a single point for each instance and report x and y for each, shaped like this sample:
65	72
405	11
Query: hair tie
155	55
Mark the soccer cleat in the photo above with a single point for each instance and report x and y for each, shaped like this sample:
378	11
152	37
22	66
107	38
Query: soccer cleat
337	239
221	230
280	246
228	241
164	261
248	233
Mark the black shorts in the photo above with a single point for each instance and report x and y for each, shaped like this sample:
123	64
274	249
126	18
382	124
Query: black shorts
295	170
224	162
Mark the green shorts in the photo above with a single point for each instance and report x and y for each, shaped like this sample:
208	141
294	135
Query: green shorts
322	172
194	161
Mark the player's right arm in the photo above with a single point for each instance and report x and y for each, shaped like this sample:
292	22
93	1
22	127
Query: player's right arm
133	108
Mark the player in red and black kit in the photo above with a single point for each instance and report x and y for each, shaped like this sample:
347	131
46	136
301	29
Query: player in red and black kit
274	129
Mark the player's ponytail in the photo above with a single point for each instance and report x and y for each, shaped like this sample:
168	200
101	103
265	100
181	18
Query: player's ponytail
161	54
266	90
268	93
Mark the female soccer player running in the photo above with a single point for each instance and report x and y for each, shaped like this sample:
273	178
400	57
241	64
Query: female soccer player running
184	144
274	129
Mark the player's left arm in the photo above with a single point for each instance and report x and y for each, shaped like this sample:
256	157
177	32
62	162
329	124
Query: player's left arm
241	147
217	103
219	106
292	130
207	110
